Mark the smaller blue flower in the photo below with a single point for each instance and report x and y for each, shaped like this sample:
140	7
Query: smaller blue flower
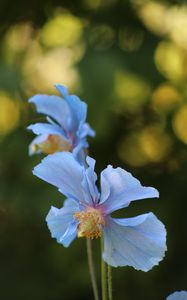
139	242
182	295
66	129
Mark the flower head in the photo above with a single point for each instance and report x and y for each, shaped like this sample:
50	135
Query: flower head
66	129
182	295
139	242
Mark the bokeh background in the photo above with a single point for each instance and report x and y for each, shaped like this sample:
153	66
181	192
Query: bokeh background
128	61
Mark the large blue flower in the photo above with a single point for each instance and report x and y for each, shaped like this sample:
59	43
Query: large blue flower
139	242
66	129
182	295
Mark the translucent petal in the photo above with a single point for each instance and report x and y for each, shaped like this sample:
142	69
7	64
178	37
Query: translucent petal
52	106
79	154
139	242
69	235
85	130
39	139
182	295
119	188
63	171
44	128
62	225
91	191
77	107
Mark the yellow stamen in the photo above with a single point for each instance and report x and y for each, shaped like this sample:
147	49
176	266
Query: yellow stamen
91	223
52	144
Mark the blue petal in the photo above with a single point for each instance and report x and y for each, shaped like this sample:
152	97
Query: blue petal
119	188
70	234
182	295
77	107
62	90
39	139
91	191
51	121
139	242
52	106
79	154
44	128
85	130
62	225
63	171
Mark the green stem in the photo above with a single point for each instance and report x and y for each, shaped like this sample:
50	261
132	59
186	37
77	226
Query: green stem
91	268
103	274
109	279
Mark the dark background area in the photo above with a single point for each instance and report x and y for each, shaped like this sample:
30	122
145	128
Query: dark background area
128	61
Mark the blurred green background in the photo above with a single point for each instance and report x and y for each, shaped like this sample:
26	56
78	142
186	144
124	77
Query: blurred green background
128	61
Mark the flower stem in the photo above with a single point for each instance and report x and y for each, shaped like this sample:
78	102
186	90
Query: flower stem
91	268
103	274
109	279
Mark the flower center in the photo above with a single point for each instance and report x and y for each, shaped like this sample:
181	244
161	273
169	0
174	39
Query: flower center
91	223
52	144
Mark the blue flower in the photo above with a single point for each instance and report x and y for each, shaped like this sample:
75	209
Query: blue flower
139	242
66	129
178	296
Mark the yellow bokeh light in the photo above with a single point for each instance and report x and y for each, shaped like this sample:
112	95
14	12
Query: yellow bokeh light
17	40
41	67
9	113
155	143
178	23
132	90
42	70
149	145
180	124
169	61
164	19
63	30
155	16
165	98
130	152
